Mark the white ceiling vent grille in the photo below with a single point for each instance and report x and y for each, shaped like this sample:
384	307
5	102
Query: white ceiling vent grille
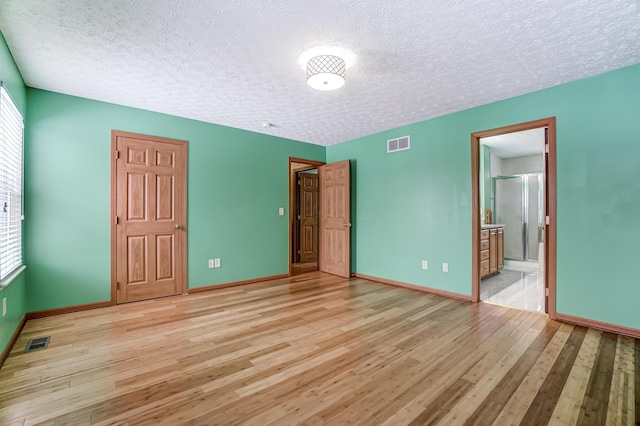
398	144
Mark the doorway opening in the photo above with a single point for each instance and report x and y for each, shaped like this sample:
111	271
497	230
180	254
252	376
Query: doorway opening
303	215
332	203
514	216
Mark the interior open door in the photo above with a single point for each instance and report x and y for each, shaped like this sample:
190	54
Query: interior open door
335	219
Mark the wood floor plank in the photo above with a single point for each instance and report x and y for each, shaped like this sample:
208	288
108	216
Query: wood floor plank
520	401
364	400
571	399
595	403
620	404
316	349
542	406
443	403
502	393
456	361
471	401
306	390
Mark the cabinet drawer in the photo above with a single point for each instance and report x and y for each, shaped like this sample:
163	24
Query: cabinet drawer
484	234
484	255
484	245
484	268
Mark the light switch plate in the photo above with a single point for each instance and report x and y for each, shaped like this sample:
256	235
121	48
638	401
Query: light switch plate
445	267
425	264
217	263
281	211
211	264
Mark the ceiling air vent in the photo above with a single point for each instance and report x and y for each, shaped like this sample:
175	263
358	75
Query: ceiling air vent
398	144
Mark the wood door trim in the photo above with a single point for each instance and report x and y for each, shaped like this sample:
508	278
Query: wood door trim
236	283
423	289
605	326
312	165
550	186
12	340
304	169
183	203
68	309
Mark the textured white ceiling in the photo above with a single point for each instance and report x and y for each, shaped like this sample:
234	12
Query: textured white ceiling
235	62
516	144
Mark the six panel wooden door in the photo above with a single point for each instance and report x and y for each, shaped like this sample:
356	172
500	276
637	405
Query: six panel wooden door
150	185
308	217
335	219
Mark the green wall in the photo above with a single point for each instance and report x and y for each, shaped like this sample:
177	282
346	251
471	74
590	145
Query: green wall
414	205
15	292
237	181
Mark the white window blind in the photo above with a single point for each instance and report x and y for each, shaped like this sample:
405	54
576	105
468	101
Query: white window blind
11	163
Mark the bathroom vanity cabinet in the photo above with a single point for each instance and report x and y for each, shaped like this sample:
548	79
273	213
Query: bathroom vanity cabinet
491	250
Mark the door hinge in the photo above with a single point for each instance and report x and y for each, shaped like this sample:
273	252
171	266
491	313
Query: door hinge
547	221
117	285
298	217
299	182
546	291
298	251
117	220
546	148
117	155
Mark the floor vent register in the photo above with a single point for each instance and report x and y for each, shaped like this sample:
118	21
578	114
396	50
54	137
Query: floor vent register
37	344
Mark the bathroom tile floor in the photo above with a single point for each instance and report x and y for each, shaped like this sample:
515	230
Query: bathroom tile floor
515	289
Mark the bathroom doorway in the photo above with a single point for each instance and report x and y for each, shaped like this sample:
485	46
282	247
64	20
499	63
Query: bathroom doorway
514	195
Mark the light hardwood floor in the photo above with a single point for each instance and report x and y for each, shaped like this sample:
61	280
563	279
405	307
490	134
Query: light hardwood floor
317	349
303	268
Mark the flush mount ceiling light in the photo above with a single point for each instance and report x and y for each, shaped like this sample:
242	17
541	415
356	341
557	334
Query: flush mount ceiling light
326	72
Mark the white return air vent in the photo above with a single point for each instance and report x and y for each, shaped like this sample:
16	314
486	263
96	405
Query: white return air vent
398	144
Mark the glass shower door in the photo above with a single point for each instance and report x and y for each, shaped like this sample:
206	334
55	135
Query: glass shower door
508	201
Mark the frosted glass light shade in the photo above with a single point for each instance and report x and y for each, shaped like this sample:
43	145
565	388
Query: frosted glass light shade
326	72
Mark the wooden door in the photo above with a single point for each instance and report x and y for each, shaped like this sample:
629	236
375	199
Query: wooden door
149	256
335	219
308	217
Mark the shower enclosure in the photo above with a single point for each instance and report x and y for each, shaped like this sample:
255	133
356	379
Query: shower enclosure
518	203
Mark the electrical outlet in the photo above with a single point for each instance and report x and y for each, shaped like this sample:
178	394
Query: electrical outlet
217	263
425	264
445	267
211	264
4	306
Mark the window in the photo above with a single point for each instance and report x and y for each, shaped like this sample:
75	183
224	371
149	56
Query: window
11	142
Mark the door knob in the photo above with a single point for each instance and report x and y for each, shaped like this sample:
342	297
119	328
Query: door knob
348	225
178	226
